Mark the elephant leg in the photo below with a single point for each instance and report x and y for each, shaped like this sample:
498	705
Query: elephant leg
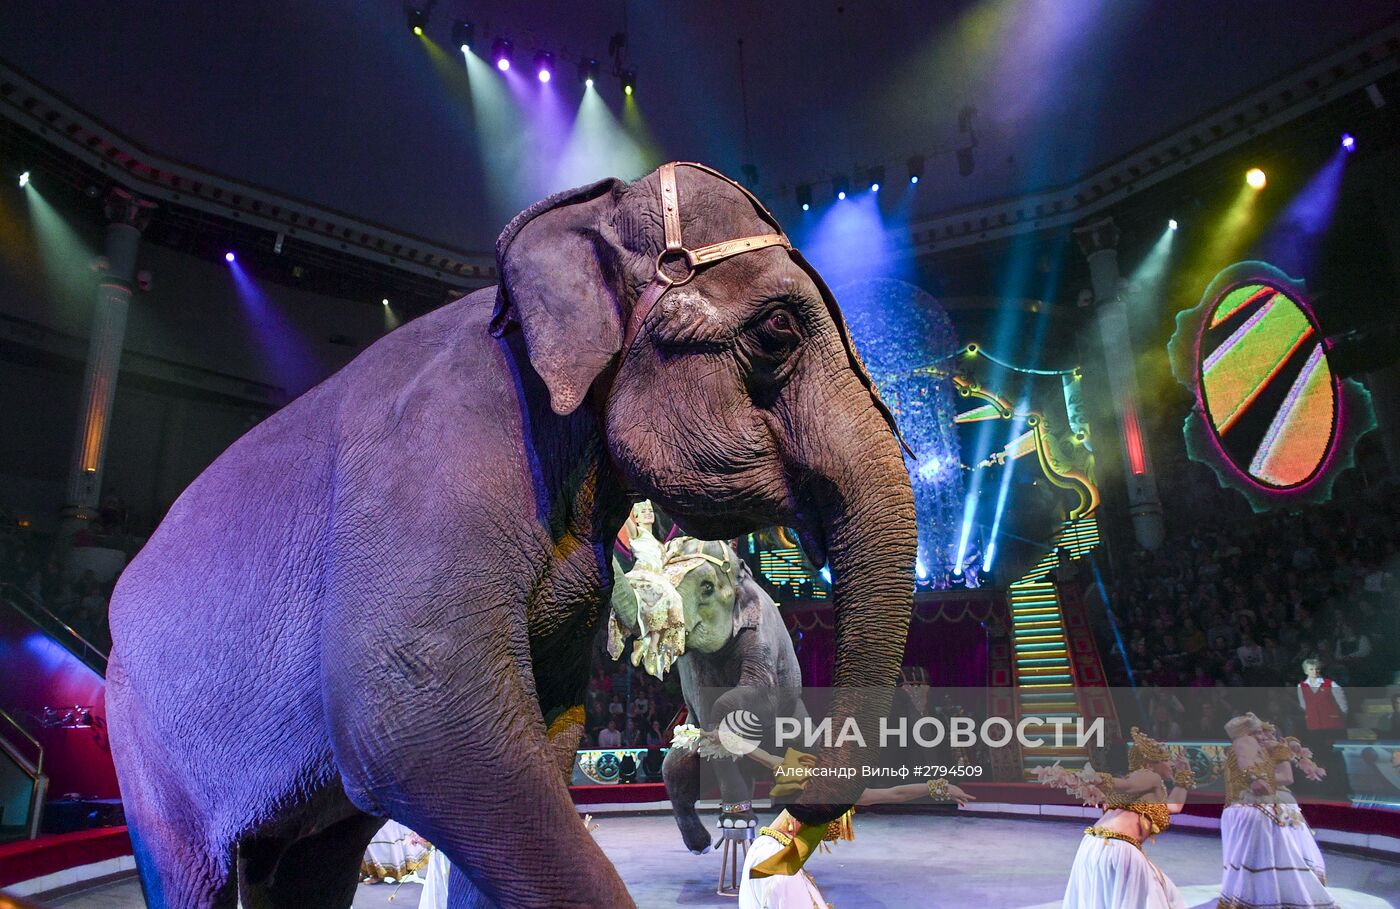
681	773
735	787
564	733
320	871
500	812
181	864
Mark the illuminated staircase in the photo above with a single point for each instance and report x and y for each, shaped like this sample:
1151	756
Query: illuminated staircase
1043	677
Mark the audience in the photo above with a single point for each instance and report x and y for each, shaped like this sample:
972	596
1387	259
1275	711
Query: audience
1244	602
626	708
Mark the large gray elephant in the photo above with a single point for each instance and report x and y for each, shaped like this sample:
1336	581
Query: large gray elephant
738	656
380	601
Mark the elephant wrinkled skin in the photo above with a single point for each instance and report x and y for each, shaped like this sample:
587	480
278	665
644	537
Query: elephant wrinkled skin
380	601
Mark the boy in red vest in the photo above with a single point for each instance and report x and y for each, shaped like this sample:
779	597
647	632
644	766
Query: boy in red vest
1324	706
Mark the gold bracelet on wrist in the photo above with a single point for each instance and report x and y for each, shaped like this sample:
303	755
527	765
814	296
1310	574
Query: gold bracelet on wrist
938	789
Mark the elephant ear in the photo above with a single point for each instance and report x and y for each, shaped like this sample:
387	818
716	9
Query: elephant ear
750	599
559	284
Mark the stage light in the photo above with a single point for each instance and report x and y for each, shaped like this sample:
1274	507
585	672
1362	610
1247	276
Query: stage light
385	301
24	180
501	51
840	185
804	195
1349	142
544	66
629	81
588	71
417	19
876	176
1171	224
229	256
463	35
916	168
1256	178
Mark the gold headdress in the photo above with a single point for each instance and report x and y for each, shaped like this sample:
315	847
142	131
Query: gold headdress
1146	751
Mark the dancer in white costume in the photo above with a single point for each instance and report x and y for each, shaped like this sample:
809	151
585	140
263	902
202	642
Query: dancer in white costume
1270	855
782	847
394	854
434	895
1111	870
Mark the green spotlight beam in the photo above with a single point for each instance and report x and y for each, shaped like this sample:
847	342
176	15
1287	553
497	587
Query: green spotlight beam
640	133
66	258
599	147
501	136
1232	233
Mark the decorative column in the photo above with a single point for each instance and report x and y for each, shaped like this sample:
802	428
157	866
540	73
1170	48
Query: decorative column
127	215
1099	243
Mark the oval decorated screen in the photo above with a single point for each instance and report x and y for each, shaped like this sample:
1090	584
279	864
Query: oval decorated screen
1268	390
1272	417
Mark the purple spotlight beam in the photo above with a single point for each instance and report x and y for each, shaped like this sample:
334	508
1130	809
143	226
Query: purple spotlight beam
229	256
1349	142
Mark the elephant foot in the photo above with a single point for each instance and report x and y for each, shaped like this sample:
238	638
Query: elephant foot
737	814
693	831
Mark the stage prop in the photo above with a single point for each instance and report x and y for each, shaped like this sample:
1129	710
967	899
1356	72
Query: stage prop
400	572
900	328
734	637
1272	418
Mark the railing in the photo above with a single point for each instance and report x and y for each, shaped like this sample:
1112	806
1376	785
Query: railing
31	765
64	633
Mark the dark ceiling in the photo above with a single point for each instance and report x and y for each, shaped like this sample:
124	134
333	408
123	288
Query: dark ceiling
339	104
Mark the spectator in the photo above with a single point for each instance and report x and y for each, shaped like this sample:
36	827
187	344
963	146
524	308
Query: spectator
610	737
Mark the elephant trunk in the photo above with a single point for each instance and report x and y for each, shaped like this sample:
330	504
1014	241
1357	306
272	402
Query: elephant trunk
864	508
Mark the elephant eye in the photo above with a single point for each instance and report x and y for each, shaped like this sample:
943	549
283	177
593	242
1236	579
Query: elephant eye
777	331
707	587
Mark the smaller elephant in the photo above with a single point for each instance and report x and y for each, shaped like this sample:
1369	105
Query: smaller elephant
738	655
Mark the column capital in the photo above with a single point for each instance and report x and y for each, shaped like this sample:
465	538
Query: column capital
123	207
1097	236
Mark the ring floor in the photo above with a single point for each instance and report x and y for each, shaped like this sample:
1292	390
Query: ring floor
896	861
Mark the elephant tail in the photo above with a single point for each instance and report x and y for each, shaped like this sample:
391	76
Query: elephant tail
681	773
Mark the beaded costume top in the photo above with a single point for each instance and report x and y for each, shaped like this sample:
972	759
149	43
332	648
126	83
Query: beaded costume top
1155	813
1238	780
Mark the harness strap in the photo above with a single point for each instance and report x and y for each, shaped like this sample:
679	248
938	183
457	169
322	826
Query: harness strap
694	259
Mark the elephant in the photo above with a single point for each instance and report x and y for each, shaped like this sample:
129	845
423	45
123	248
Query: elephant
738	655
380	601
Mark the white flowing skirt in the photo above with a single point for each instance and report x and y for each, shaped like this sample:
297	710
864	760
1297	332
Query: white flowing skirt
1271	859
392	855
434	895
1113	874
778	891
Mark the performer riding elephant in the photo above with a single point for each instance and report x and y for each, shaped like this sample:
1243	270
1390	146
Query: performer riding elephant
737	656
380	602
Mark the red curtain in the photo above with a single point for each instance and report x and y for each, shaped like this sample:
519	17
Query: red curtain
947	639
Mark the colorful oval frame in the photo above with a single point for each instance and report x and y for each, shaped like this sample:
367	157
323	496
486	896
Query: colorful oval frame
1272	417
